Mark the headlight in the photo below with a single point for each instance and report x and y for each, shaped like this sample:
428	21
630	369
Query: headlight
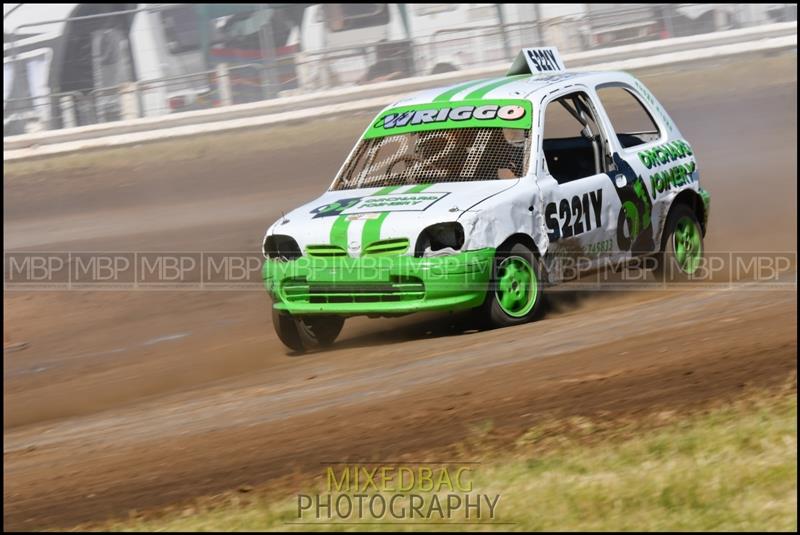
441	239
281	247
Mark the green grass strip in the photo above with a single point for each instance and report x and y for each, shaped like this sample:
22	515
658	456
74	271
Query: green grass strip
730	468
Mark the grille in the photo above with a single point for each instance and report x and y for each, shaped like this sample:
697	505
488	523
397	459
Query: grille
325	250
399	289
453	155
387	247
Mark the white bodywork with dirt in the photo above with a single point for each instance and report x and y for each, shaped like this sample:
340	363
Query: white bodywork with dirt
635	194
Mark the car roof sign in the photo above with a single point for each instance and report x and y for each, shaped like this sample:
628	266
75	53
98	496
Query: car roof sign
544	59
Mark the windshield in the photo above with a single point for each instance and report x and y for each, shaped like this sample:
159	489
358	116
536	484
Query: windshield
453	155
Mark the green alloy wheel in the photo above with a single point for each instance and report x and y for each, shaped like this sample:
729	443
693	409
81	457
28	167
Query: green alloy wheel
516	286
682	246
688	245
514	295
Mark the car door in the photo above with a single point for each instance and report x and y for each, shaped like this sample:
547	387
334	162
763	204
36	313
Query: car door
634	131
580	201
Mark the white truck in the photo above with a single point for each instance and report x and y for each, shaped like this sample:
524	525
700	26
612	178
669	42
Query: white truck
345	44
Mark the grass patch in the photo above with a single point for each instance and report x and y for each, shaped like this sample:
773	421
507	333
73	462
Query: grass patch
733	467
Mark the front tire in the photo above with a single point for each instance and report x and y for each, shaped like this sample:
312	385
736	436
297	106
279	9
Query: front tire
306	332
515	293
319	331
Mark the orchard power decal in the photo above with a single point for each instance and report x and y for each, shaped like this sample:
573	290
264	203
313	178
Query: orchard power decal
446	115
335	208
395	202
398	202
671	177
664	154
634	225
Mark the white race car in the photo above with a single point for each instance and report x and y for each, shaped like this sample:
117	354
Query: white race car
472	196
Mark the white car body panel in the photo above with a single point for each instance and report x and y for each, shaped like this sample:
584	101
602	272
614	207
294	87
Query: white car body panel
455	199
491	211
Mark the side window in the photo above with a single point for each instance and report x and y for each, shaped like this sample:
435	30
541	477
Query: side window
431	9
181	29
573	142
630	119
341	17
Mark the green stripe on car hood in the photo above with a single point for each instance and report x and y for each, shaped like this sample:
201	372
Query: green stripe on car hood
372	228
342	223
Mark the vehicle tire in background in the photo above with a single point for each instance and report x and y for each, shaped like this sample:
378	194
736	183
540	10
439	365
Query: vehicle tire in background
681	246
306	332
515	292
441	68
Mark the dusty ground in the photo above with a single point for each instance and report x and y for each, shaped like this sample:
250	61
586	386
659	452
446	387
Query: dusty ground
135	400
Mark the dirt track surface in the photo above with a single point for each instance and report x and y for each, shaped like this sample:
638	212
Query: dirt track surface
135	400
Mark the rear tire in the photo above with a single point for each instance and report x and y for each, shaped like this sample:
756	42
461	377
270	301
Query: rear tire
306	332
515	292
681	247
441	68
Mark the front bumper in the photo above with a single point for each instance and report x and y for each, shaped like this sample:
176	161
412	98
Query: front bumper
379	285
